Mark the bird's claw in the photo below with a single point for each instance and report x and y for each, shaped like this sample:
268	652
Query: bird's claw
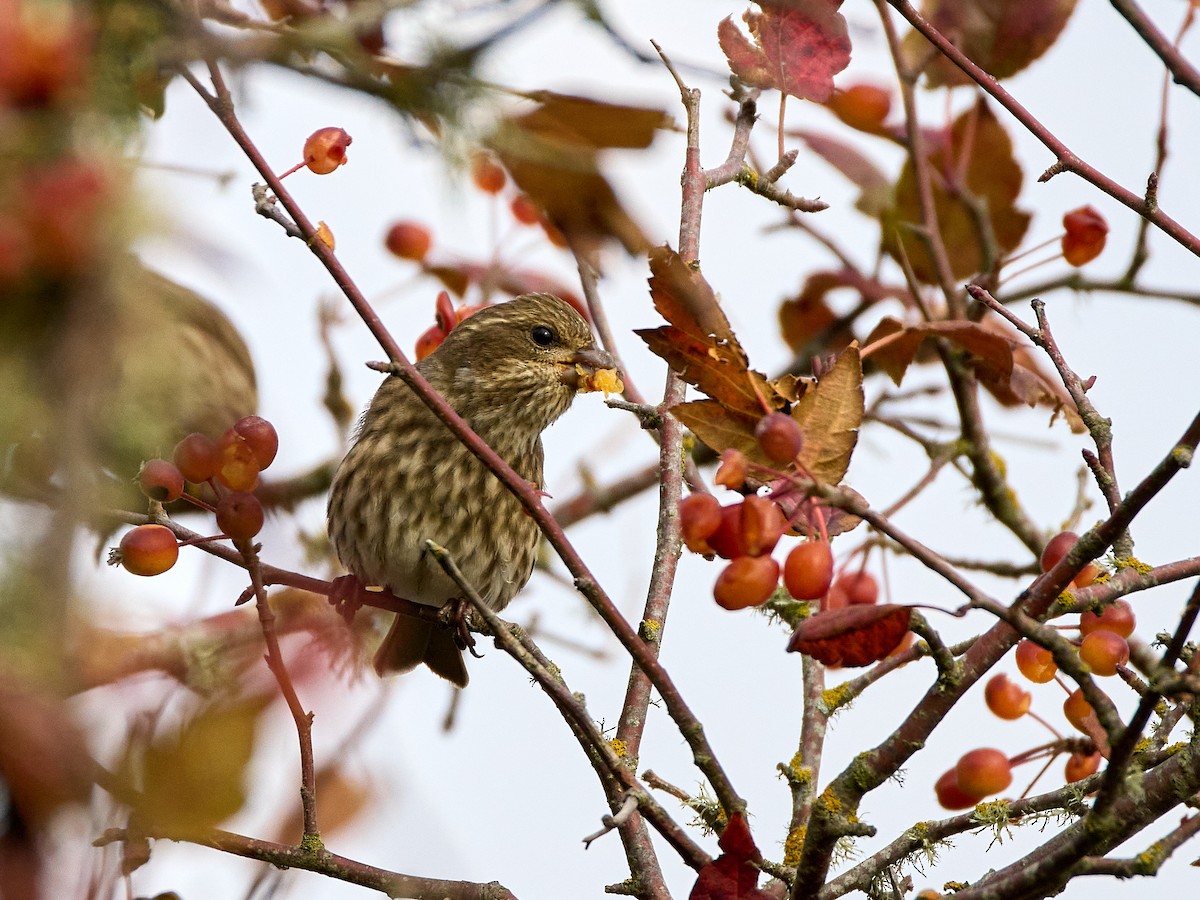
463	638
345	596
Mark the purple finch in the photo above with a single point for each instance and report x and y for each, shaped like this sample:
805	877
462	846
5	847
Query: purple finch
510	370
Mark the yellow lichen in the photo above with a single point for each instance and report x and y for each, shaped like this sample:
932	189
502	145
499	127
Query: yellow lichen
835	697
619	747
794	845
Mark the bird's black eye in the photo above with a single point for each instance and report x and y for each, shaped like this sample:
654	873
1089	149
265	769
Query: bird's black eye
543	335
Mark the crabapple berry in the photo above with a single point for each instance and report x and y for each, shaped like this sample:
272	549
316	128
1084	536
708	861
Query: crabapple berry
149	550
808	570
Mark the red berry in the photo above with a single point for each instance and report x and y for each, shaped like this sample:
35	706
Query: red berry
808	570
488	175
260	436
746	581
1104	651
779	437
1086	234
950	796
983	772
859	587
1056	548
1080	713
239	515
1006	698
161	480
1118	618
1035	662
149	550
524	210
429	341
325	150
726	541
197	457
408	240
1081	765
699	517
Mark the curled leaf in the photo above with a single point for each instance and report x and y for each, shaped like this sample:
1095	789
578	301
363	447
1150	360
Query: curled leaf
733	875
852	635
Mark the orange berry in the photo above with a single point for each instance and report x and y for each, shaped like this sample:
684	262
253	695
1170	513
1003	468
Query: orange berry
1104	652
1117	618
524	210
733	469
808	570
1080	713
488	175
762	524
1081	765
860	588
325	150
950	795
149	550
862	106
699	517
238	469
1035	662
1005	698
408	240
746	581
983	772
1056	548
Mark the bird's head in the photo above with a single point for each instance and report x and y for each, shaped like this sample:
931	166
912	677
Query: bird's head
519	364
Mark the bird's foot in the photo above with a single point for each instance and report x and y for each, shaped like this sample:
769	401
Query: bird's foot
462	633
345	595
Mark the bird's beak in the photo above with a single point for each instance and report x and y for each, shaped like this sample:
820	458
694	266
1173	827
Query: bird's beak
592	369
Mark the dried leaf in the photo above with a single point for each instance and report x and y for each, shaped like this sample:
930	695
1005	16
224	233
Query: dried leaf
829	414
976	160
852	635
798	47
810	327
992	350
1000	36
1028	383
194	779
733	875
686	300
716	369
720	428
552	154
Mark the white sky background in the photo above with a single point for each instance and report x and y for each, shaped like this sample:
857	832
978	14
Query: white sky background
508	794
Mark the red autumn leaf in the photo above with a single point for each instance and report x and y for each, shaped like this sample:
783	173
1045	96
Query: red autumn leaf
1087	231
989	348
801	512
734	874
852	635
798	47
1028	383
1000	36
973	169
811	327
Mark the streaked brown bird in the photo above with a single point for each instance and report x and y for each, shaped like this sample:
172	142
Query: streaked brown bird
510	370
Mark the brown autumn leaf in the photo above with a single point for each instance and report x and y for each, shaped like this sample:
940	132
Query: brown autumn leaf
977	160
873	182
1002	37
734	874
343	798
990	349
193	779
800	512
798	47
852	635
720	427
829	415
553	154
810	327
1029	383
699	343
